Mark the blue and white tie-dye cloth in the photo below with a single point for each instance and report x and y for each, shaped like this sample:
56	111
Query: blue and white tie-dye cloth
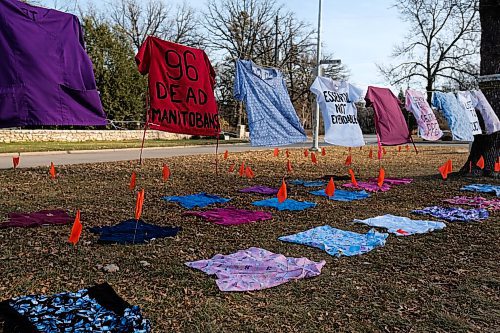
338	242
484	188
196	200
455	115
402	226
272	119
342	195
288	204
454	214
308	183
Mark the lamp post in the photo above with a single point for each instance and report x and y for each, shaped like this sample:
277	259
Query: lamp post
315	146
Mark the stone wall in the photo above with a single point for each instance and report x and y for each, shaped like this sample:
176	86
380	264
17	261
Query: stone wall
7	136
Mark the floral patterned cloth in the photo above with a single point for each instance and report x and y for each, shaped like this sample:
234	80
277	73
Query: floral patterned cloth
402	226
256	269
454	214
288	204
338	242
342	195
231	216
196	200
485	188
480	202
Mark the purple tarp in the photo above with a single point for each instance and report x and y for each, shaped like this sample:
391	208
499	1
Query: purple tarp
46	76
256	269
369	186
480	202
393	181
35	219
231	216
260	190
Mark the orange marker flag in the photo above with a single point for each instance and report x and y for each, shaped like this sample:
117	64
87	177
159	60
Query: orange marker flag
379	153
370	155
383	150
348	160
350	149
287	153
381	177
450	166
249	173
226	154
52	171
399	148
282	193
407	148
497	166
276	152
313	158
138	204
242	169
231	168
15	161
306	152
330	188
353	178
165	172
289	166
133	178
76	230
323	151
480	163
444	169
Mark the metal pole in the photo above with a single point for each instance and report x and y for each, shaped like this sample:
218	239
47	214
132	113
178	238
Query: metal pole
315	146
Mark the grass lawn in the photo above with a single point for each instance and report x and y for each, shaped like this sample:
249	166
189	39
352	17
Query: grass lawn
21	147
444	281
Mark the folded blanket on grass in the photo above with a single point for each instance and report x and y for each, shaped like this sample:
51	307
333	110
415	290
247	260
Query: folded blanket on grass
402	226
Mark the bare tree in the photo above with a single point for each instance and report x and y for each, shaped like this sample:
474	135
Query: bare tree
442	43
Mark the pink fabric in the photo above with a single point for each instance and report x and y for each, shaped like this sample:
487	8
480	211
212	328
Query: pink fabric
35	219
260	190
256	269
491	204
389	120
393	181
231	216
370	186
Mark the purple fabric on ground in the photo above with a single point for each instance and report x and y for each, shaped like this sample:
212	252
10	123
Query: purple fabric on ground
480	202
231	216
256	269
370	187
393	181
35	219
260	190
454	214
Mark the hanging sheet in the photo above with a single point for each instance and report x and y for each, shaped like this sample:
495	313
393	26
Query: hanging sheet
428	126
491	121
465	99
454	114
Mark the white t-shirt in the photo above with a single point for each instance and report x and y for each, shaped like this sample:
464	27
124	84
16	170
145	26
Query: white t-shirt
491	121
428	126
336	101
465	99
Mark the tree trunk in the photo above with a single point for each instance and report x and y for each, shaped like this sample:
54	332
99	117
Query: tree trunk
488	146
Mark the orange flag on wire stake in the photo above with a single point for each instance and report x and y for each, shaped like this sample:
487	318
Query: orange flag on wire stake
384	151
497	166
399	148
314	160
131	185
379	153
348	160
353	178
249	172
138	204
52	171
282	193
445	169
370	155
407	148
276	152
330	188
165	172
226	154
76	230
323	151
480	163
289	166
287	153
242	169
306	152
381	177
15	161
231	168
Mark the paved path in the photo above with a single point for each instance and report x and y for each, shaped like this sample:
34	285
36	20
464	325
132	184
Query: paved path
29	160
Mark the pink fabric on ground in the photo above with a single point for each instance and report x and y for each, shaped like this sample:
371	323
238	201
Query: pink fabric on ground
35	219
256	269
491	204
370	186
393	181
231	216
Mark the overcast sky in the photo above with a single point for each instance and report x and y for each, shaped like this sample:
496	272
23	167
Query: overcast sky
361	33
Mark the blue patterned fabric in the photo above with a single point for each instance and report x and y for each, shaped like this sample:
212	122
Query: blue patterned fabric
455	115
308	183
402	226
454	214
484	188
338	242
288	204
132	232
272	119
76	312
343	195
196	200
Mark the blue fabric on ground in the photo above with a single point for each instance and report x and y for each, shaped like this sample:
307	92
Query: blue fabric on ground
343	195
308	183
484	188
288	204
402	226
337	242
196	200
454	214
125	232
